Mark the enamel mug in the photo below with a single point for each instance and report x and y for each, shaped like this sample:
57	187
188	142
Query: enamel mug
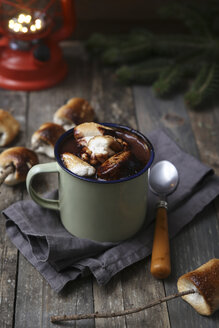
108	211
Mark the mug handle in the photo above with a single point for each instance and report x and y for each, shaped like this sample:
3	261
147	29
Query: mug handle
37	169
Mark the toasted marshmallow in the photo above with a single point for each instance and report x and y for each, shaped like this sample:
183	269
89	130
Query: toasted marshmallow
21	159
76	111
9	128
77	165
43	140
102	147
84	141
90	129
115	167
205	282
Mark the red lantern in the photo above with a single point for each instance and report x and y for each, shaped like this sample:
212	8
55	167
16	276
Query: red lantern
30	55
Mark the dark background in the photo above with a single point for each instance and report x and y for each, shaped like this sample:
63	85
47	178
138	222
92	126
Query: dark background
116	16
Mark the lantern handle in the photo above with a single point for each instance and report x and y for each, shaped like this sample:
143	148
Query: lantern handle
68	13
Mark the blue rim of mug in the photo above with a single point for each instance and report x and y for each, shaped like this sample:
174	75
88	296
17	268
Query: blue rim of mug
147	166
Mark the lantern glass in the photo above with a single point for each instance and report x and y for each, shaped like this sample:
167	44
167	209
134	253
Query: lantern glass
29	19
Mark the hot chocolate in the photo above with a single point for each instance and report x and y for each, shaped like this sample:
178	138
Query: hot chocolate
102	152
103	181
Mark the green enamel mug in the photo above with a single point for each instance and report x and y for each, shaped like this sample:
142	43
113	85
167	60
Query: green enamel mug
108	211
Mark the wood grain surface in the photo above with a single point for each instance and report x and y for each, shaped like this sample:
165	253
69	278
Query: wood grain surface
26	300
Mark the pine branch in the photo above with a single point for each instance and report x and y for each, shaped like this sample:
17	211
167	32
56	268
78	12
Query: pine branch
183	56
143	73
140	44
205	85
130	53
174	45
98	43
170	78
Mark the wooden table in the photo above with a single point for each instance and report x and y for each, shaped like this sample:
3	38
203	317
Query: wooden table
26	300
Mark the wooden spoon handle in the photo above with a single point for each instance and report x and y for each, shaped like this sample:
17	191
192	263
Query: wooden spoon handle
160	260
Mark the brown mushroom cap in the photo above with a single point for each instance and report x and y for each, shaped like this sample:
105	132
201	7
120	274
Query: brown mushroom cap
22	159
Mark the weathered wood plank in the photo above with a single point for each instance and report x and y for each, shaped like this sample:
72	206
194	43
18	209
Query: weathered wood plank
15	103
139	289
109	299
205	125
36	302
197	242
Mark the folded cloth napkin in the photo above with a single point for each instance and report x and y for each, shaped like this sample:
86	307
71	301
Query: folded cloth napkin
61	257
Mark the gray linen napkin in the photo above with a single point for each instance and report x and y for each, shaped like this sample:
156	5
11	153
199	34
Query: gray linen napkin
61	257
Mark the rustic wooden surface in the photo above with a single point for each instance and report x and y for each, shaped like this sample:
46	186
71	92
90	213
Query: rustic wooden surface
26	300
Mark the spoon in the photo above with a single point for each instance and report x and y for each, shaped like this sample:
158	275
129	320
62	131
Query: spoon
163	180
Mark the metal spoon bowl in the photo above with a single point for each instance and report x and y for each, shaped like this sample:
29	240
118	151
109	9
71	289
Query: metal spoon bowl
163	180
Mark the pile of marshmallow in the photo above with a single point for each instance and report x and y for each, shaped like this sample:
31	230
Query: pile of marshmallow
101	153
15	162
